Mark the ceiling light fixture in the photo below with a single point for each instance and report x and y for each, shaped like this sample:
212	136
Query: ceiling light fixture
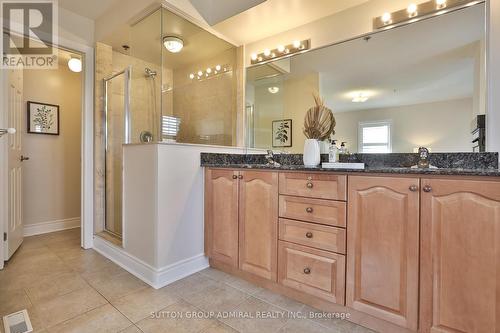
75	64
359	97
273	90
415	12
173	44
280	51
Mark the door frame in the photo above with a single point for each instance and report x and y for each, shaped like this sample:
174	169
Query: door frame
87	146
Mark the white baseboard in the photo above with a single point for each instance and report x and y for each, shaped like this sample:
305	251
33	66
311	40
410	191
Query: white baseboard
50	226
156	278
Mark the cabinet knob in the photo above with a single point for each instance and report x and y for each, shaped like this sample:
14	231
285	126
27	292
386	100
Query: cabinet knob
307	270
309	234
413	188
235	177
309	185
427	188
309	209
240	177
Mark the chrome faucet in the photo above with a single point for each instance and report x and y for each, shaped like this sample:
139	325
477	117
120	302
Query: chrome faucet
423	162
270	159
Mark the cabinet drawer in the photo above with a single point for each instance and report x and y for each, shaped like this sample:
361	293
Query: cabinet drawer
318	273
313	235
313	210
313	185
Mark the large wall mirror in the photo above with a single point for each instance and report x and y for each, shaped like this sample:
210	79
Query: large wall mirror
422	84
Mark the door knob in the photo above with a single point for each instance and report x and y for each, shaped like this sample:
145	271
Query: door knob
307	270
413	188
309	185
427	188
7	131
234	176
24	158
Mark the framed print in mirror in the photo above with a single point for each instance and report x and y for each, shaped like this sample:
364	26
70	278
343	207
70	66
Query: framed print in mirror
43	118
282	133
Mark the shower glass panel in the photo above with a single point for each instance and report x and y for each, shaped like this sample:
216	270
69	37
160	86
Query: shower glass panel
117	132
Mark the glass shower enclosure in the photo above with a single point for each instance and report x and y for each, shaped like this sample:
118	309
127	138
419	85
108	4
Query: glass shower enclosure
116	132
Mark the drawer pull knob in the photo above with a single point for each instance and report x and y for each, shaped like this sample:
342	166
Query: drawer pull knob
413	188
309	234
309	185
309	209
234	176
240	177
427	188
307	270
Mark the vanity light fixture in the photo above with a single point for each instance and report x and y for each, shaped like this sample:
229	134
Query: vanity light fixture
280	51
273	90
412	10
415	12
210	72
440	4
387	18
173	44
75	64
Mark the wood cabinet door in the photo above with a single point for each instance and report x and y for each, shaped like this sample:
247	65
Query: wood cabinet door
460	256
382	248
258	206
221	215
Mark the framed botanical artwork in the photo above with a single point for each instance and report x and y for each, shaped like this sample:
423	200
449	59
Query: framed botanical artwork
43	118
282	133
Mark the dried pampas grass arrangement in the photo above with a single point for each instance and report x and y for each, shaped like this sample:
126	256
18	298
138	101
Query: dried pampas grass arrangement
319	122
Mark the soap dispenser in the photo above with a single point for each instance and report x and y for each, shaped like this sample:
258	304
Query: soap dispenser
343	148
333	152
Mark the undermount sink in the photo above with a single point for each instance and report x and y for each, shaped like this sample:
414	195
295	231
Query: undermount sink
338	165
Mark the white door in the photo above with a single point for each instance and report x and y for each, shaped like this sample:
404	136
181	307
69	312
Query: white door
14	226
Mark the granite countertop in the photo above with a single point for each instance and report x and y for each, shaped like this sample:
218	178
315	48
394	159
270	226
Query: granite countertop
392	170
449	164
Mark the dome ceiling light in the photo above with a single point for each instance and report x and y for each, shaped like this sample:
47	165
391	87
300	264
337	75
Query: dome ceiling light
173	44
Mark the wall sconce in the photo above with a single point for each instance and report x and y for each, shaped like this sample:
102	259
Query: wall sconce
416	12
210	72
280	51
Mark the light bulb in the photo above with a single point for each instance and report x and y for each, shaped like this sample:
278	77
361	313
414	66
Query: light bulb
200	73
267	52
412	9
281	48
191	76
254	56
75	65
386	18
296	44
273	90
217	68
209	70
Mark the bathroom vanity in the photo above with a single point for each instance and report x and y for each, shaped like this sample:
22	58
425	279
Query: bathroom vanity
399	249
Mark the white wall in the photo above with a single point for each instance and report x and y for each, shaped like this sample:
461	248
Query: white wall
51	177
414	126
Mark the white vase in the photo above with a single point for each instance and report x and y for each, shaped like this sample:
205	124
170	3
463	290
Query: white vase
311	153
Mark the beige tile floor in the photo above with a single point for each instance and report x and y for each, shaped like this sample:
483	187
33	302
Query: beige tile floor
67	289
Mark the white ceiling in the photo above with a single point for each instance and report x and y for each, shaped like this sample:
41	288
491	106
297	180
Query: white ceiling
402	66
275	16
91	9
